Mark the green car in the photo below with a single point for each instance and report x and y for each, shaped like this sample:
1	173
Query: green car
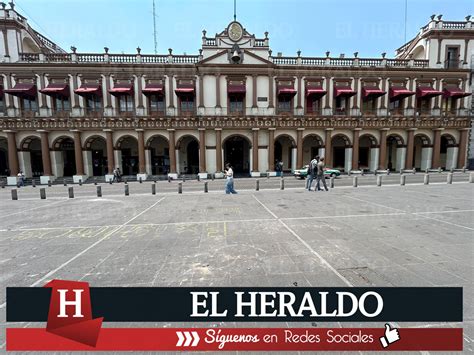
303	172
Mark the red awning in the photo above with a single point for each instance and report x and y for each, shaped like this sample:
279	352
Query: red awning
315	91
427	92
344	91
399	93
89	89
184	89
56	90
455	92
286	91
22	90
153	89
122	89
372	92
236	89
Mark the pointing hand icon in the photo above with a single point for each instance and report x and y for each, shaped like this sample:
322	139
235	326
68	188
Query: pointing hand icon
391	336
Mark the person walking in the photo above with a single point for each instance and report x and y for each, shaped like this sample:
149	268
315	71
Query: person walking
320	175
312	170
21	179
229	184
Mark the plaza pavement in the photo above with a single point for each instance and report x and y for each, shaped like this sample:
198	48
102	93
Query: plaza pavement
413	235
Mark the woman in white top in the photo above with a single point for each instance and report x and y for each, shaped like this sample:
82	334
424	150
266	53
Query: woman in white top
229	184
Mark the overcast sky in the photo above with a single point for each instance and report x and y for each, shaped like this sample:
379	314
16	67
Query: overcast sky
369	27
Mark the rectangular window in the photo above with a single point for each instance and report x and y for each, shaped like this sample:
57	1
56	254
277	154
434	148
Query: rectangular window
452	57
423	105
450	104
93	103
156	103
186	103
61	103
369	106
396	106
126	103
341	105
28	103
284	103
313	105
236	104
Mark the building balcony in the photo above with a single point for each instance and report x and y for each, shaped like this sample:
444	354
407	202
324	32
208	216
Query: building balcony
453	64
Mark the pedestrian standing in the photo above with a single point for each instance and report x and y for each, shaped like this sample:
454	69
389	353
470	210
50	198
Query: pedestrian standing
21	179
312	171
320	175
229	184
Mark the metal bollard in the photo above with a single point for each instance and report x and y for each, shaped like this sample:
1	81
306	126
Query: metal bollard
169	178
184	178
426	179
153	189
471	178
64	182
3	184
257	185
354	181
198	178
349	173
33	182
331	182
14	194
80	182
282	184
180	188
449	179
43	193
49	183
379	180
402	180
140	180
127	191
268	175
213	176
110	181
206	189
99	191
71	192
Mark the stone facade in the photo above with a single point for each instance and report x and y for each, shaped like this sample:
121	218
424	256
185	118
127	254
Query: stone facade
84	114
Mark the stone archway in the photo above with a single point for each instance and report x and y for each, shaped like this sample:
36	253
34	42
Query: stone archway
158	151
4	169
237	153
396	152
96	152
422	152
188	155
448	152
30	147
128	154
368	152
64	162
312	146
285	152
341	152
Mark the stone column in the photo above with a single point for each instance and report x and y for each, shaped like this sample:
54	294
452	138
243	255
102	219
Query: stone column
299	147
172	149
462	147
255	149
270	91
299	92
12	154
218	92
110	152
435	163
355	149
328	147
383	148
141	153
218	149
410	148
78	153
201	91
45	154
202	151
254	91
271	149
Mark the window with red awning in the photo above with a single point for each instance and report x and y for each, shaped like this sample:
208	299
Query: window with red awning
426	92
153	89
372	92
455	92
399	93
89	89
122	89
236	89
344	91
186	89
22	90
315	91
56	90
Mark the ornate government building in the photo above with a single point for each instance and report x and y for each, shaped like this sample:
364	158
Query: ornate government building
80	115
